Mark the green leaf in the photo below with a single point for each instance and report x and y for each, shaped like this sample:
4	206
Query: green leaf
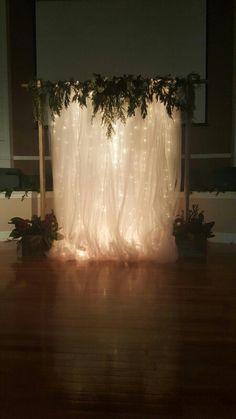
116	98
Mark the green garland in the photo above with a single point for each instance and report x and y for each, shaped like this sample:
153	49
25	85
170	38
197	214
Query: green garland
116	98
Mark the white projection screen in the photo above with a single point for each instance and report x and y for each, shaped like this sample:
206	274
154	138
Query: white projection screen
113	37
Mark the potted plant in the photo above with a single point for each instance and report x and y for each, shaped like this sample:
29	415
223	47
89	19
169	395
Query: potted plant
35	236
191	234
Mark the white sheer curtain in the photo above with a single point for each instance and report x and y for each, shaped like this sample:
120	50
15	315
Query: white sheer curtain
116	198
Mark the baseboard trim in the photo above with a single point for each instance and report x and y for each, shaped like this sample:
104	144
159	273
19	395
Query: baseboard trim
30	195
193	195
17	195
223	238
4	235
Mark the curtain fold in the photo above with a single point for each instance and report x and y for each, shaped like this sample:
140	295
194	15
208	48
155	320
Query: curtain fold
116	198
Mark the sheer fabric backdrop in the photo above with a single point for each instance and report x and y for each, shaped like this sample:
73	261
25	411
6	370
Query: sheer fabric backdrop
116	198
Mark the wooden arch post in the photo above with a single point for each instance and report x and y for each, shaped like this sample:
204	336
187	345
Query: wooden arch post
41	162
187	156
41	165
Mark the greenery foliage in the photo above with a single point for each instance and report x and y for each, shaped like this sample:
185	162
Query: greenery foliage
115	98
47	228
193	227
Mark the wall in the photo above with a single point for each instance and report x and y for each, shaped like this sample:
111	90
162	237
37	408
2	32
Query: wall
22	69
216	136
220	208
16	207
211	143
5	139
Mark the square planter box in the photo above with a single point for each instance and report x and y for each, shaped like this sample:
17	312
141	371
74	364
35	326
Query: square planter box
192	248
33	246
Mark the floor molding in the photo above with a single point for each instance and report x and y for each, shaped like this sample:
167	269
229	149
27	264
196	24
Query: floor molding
4	235
223	238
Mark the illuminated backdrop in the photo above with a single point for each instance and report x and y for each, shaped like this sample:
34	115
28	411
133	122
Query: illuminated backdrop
115	198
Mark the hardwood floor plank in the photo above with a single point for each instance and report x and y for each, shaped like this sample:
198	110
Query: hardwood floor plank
112	340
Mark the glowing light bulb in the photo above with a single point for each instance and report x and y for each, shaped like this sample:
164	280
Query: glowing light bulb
82	253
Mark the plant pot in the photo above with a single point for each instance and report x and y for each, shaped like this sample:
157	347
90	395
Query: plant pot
33	245
192	247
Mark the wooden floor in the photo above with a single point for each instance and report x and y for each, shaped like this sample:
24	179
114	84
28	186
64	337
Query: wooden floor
114	341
